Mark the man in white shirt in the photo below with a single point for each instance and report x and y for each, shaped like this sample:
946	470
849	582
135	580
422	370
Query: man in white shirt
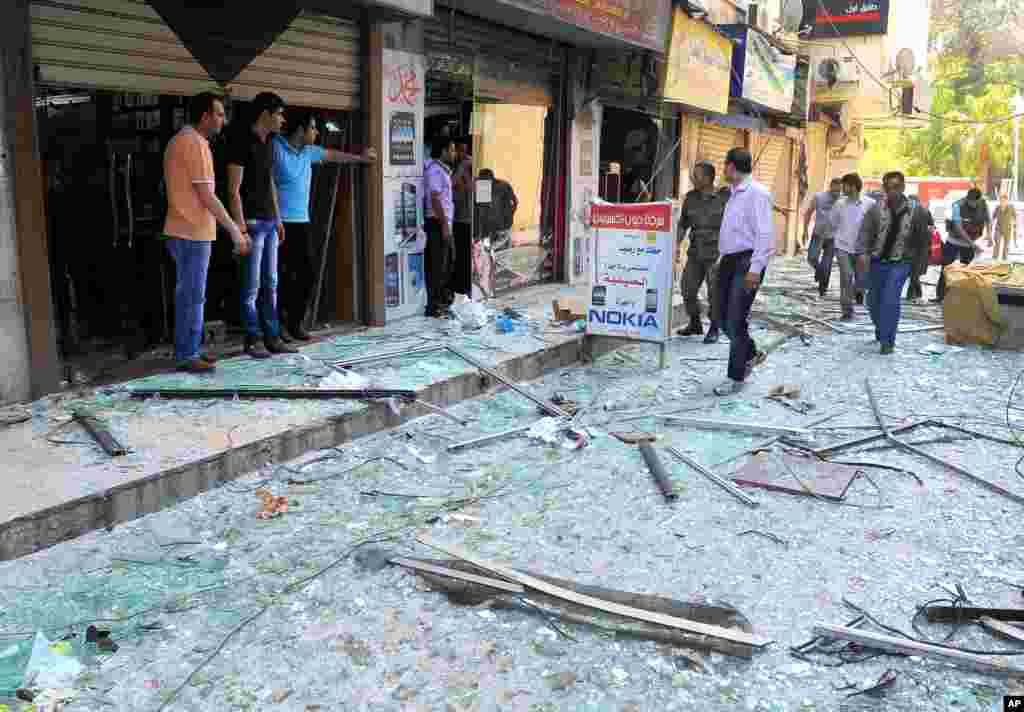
846	218
746	243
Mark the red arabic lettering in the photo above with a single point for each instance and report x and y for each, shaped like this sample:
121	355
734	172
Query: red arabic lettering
403	87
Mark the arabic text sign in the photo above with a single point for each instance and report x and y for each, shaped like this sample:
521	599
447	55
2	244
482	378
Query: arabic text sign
846	18
632	259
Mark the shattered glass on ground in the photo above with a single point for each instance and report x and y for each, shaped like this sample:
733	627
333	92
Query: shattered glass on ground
339	629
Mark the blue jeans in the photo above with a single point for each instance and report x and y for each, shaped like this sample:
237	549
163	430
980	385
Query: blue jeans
259	279
734	304
191	262
885	287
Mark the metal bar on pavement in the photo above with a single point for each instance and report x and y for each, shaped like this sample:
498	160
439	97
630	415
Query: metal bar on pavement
485	439
548	407
101	434
442	412
847	444
385	355
286	393
770	442
976	434
706	424
725	484
991	486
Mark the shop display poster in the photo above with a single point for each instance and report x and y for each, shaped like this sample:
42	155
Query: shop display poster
404	95
633	261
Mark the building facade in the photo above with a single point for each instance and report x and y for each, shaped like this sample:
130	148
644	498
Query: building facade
555	102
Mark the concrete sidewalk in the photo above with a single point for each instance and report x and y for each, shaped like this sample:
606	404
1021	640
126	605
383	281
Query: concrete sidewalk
60	485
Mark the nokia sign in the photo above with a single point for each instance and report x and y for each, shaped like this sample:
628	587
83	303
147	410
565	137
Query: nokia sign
618	318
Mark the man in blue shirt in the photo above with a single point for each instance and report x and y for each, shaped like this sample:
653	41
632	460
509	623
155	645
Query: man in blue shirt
294	156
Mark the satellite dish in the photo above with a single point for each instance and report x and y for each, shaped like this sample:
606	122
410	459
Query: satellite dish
905	63
828	72
792	15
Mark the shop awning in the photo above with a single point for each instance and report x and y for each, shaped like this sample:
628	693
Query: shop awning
612	24
397	9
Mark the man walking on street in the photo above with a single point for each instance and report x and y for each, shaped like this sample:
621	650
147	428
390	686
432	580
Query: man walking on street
1006	228
702	214
254	203
892	232
847	218
294	157
193	212
440	211
969	223
822	247
915	290
746	243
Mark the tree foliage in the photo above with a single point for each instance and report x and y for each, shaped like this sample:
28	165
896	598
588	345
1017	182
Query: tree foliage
966	134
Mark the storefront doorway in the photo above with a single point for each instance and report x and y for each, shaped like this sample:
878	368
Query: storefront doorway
498	98
644	149
113	281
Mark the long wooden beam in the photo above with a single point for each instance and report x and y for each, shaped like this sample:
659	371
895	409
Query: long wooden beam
596	603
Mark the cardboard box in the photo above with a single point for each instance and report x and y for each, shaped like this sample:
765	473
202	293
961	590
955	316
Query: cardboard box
569	309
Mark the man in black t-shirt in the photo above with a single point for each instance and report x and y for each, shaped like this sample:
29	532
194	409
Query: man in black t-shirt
253	203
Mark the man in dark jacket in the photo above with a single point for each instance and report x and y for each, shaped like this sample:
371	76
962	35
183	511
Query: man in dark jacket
893	232
969	223
702	213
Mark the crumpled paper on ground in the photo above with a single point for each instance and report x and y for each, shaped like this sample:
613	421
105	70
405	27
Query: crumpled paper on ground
471	315
343	380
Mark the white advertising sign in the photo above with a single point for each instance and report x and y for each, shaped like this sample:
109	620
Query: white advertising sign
402	161
404	93
633	260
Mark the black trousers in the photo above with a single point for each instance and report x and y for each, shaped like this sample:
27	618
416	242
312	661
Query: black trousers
735	301
950	254
824	269
462	271
297	273
439	258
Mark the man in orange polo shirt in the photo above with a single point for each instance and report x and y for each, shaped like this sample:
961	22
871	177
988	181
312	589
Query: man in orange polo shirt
193	211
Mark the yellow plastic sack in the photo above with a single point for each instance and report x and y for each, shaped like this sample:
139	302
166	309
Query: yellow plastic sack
971	307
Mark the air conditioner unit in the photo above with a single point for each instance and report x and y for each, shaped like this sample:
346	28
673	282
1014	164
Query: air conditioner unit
830	71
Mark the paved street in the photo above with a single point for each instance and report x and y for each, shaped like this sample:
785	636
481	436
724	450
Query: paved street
214	608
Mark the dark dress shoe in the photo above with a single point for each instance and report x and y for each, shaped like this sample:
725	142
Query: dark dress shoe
300	333
276	346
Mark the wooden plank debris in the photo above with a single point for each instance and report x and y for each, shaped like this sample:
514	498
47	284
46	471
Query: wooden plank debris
596	603
999	664
462	592
461	575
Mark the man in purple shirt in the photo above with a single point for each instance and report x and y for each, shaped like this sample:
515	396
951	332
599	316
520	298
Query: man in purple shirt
746	243
439	257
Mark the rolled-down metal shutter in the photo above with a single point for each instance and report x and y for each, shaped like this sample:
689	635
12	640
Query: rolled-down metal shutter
456	41
111	44
314	63
769	151
713	143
